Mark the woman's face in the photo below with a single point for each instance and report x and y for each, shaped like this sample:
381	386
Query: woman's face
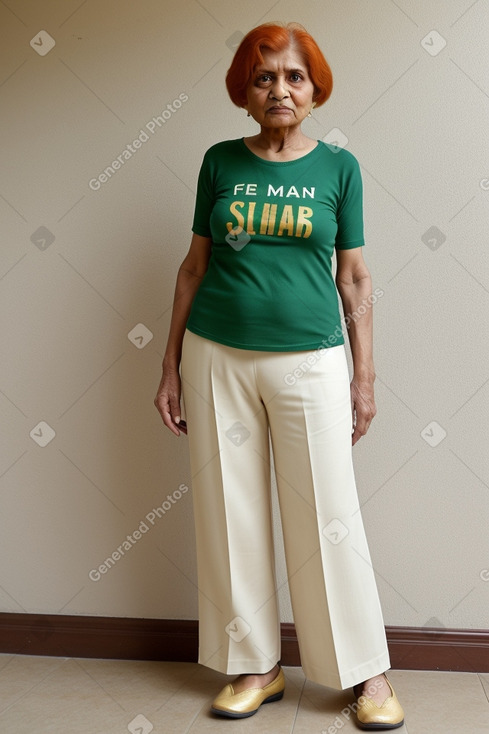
281	92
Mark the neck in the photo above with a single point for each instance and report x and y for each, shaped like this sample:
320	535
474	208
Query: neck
279	139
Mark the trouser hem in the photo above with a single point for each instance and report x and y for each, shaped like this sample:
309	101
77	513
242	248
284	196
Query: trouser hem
349	679
237	667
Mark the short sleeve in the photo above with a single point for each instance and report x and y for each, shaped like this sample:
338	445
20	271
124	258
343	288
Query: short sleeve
204	201
349	213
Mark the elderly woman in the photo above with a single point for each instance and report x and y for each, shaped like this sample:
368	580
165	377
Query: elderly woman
256	336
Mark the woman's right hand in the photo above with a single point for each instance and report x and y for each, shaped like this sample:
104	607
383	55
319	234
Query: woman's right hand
167	400
190	275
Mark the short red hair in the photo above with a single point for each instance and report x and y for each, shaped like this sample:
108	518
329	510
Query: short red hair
277	38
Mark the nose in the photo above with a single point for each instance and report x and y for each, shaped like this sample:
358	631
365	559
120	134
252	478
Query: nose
278	89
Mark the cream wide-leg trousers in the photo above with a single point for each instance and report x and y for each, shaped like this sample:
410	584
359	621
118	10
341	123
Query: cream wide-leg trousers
234	400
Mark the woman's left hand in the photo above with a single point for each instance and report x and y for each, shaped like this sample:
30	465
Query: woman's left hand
363	407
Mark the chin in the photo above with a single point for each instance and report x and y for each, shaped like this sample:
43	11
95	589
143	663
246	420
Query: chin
279	122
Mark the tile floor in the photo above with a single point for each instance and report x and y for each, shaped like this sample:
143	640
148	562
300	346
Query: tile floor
41	695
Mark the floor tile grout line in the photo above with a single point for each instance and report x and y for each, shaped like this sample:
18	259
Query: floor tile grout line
196	717
175	693
298	706
51	672
484	690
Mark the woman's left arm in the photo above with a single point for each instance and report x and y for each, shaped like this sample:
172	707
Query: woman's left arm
355	288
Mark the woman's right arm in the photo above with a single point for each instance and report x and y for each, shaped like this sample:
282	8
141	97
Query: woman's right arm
190	275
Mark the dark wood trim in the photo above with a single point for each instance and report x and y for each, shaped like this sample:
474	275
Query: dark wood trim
435	648
99	637
411	648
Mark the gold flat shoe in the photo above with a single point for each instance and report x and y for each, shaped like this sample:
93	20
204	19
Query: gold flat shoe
387	716
246	703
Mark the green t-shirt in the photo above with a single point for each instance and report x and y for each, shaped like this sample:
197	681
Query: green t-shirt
274	225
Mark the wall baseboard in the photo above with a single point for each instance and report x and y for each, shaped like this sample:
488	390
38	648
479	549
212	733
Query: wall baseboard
411	648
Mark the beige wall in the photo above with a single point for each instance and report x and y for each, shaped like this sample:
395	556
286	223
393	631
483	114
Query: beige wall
415	115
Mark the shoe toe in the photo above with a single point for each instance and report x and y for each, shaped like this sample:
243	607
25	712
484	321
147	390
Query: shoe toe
389	715
246	703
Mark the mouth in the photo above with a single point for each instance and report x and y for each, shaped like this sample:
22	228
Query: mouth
279	108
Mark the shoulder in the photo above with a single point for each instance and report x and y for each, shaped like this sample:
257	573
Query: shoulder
340	157
224	148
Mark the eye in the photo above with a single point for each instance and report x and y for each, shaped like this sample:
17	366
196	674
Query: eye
295	76
263	79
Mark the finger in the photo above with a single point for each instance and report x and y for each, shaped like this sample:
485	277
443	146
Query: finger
358	425
164	410
175	411
361	427
355	437
175	422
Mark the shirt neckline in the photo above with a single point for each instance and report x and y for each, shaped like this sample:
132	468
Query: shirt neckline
280	163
